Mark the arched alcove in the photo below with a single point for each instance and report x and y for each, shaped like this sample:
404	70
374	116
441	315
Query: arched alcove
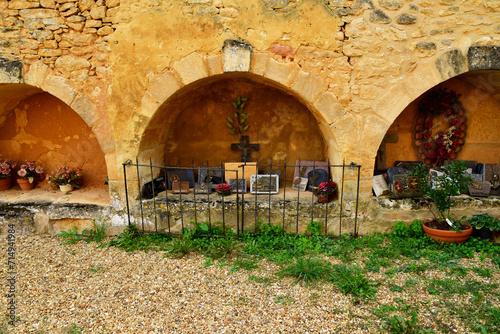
480	96
37	126
190	127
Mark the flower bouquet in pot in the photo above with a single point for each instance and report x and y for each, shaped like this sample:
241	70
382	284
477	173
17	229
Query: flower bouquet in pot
326	191
6	168
437	193
67	178
29	172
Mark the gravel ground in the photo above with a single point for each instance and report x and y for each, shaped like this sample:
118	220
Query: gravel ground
107	290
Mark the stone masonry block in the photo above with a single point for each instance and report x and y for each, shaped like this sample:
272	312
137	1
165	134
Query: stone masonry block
36	74
308	85
236	56
279	72
451	63
86	109
423	78
259	62
58	86
392	103
11	71
191	68
164	86
104	136
329	107
215	64
149	105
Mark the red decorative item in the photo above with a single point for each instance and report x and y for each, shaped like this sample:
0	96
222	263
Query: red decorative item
440	127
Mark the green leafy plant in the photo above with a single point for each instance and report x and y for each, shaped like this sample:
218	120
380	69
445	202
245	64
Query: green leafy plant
486	221
70	236
309	270
236	123
438	191
97	232
349	279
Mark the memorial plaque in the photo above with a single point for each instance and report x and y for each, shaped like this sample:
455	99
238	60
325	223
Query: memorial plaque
380	186
305	168
250	168
180	187
174	175
492	175
153	187
203	188
316	177
300	183
403	186
480	188
393	171
238	185
264	184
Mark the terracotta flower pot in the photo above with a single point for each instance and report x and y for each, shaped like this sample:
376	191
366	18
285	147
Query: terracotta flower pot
5	183
25	184
440	236
65	187
325	198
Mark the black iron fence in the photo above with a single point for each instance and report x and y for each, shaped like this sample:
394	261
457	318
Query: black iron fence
167	199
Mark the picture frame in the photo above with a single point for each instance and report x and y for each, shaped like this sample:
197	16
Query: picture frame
238	185
300	183
180	187
264	184
203	188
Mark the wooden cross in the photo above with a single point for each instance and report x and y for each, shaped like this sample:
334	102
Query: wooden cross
244	147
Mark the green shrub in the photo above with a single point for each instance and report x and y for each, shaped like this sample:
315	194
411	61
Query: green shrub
309	270
350	280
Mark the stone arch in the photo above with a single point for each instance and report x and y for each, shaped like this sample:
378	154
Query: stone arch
194	68
429	74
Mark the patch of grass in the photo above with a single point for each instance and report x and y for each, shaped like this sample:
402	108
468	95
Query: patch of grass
131	239
97	232
350	280
70	236
75	329
308	270
96	270
179	247
395	288
398	324
243	263
483	272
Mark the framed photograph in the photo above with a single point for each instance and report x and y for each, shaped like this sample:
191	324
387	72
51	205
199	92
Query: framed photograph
213	175
264	184
180	187
300	183
238	185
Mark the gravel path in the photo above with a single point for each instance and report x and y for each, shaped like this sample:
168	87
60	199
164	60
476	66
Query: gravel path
110	291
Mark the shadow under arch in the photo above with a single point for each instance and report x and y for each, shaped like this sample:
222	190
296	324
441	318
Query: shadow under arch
191	124
36	125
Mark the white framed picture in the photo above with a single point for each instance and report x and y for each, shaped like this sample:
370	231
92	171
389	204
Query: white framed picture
300	183
264	184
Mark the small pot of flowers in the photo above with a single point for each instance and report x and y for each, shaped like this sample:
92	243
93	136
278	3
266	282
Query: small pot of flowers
29	172
437	193
223	189
67	178
326	191
6	168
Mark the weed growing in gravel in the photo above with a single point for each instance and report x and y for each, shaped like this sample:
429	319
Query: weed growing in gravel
309	270
483	272
258	279
283	300
75	329
97	232
131	239
349	279
70	236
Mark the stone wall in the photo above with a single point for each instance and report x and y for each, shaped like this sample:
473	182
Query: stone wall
355	65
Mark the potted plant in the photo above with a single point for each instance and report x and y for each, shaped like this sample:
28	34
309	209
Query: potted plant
223	189
437	193
29	172
326	191
484	225
6	167
66	178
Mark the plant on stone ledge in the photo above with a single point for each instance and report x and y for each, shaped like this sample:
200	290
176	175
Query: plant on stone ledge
65	175
6	167
30	171
438	191
236	123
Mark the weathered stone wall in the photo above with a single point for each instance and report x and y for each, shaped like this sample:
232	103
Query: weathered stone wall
355	65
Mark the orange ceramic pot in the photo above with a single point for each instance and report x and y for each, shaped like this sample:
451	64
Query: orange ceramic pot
440	236
25	184
5	183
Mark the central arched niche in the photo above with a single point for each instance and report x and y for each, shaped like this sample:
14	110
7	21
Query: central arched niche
191	126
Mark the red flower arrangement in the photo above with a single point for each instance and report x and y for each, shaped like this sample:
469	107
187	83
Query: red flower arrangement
445	144
223	189
327	188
